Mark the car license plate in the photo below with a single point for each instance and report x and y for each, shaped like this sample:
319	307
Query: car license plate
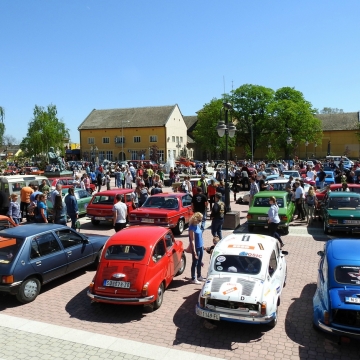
99	218
207	314
147	220
119	284
351	300
263	218
352	222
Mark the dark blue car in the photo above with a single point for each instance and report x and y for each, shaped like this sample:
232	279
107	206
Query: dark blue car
336	303
32	255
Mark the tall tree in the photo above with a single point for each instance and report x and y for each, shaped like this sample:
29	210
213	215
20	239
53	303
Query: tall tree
251	103
205	134
329	110
45	130
292	116
2	125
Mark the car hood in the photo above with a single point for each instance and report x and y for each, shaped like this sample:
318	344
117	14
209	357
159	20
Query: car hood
233	288
98	241
338	297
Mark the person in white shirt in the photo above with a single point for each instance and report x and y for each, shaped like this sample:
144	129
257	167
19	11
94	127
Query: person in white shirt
120	213
299	198
128	180
311	174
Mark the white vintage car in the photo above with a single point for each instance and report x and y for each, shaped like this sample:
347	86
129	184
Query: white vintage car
246	276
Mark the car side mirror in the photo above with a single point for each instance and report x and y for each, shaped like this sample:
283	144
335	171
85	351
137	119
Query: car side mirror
284	252
320	253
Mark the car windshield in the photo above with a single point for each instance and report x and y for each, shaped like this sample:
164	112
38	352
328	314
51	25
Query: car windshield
161	202
125	252
264	202
9	248
345	274
344	203
246	264
291	173
103	199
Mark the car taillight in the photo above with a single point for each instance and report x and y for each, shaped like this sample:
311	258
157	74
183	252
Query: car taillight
249	216
263	308
326	317
7	279
202	302
284	218
144	290
332	221
91	286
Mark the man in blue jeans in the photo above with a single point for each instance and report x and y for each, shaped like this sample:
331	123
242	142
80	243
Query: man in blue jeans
217	216
199	204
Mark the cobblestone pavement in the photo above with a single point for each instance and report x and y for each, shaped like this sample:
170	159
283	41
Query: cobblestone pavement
175	325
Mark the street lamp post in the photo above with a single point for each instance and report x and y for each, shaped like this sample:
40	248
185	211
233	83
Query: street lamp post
306	146
224	128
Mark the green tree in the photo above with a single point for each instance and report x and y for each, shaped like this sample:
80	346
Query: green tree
251	103
44	130
292	117
2	125
205	134
329	110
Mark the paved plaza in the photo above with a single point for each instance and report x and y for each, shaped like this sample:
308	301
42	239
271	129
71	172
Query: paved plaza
62	324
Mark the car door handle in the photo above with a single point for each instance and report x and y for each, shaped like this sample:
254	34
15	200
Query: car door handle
38	263
69	252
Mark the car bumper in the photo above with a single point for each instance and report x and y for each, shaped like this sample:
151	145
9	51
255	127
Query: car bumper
207	314
337	332
352	229
11	289
114	300
266	224
100	218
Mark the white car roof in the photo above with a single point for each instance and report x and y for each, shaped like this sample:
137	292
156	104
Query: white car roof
255	244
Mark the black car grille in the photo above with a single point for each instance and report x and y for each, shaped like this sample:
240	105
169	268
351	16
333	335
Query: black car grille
347	318
232	304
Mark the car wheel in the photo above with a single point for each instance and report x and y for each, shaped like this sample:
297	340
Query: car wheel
274	321
326	230
286	230
95	222
159	297
179	227
29	290
183	265
251	228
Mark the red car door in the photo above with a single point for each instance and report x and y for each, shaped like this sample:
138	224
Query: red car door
172	260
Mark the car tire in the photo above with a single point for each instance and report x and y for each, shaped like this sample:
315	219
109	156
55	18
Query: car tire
179	229
251	228
286	230
160	297
95	222
326	230
273	322
29	290
183	265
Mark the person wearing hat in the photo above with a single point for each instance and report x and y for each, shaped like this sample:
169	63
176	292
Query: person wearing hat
14	209
217	216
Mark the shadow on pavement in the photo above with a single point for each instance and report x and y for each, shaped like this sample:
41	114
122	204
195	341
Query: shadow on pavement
312	343
194	330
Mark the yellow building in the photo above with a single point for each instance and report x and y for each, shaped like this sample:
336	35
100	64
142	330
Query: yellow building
131	134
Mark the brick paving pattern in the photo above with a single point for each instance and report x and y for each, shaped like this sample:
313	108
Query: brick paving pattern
175	325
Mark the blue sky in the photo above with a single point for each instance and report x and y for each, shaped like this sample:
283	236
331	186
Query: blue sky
86	54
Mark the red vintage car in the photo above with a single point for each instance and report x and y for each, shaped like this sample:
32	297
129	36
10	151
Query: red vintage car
170	210
33	170
67	182
11	170
101	205
336	187
137	264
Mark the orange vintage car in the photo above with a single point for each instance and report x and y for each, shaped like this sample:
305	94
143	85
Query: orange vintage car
33	170
185	162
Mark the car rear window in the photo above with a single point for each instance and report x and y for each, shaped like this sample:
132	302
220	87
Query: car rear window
125	252
264	202
345	274
103	199
161	202
344	203
241	264
9	248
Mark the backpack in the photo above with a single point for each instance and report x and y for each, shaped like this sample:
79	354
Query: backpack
310	200
222	209
143	195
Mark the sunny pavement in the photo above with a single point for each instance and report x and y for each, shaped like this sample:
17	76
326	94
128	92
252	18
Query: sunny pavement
175	325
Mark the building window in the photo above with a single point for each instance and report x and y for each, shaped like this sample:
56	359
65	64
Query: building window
174	154
134	155
106	140
161	155
101	156
109	155
181	139
173	138
136	140
169	153
153	138
177	139
120	140
91	141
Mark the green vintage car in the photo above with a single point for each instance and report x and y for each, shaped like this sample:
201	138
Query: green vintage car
340	211
258	211
82	196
